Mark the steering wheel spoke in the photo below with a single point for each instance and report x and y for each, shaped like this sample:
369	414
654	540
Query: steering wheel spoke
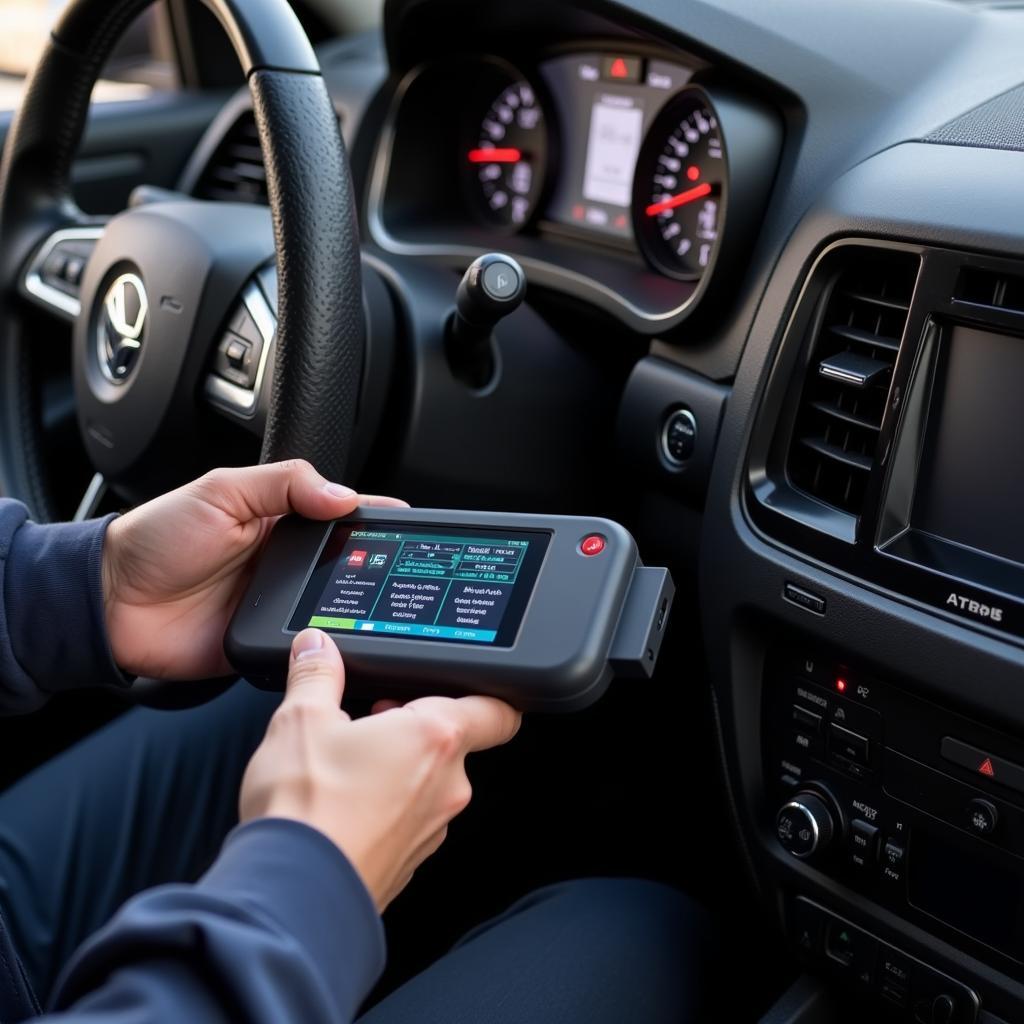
92	498
241	359
53	278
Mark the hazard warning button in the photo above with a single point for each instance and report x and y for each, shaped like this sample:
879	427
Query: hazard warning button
983	764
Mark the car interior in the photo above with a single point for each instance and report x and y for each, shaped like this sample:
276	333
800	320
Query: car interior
773	254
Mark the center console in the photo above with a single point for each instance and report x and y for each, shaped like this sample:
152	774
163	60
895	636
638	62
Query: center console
873	719
916	808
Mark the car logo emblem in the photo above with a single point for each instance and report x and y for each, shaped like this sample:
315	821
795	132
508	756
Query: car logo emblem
121	326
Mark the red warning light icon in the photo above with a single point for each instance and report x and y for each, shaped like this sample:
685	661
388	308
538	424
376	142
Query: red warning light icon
619	68
986	768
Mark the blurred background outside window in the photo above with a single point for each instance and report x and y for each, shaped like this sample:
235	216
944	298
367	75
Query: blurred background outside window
142	63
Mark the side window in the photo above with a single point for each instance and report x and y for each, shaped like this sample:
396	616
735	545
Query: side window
143	62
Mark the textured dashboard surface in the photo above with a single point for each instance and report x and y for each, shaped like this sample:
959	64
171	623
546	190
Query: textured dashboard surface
997	124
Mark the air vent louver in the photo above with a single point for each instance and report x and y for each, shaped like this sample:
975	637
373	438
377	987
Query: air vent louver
983	287
852	355
236	172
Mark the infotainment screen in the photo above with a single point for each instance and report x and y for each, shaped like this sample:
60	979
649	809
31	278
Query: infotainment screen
453	584
970	490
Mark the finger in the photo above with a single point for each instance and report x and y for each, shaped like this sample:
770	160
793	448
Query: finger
380	706
381	501
485	721
316	672
276	488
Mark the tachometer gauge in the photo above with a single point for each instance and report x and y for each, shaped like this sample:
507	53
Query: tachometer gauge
679	189
506	160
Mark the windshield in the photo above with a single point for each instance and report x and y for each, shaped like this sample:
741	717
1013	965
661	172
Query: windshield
141	63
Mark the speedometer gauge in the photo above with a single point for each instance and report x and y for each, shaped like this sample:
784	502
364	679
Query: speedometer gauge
679	188
506	160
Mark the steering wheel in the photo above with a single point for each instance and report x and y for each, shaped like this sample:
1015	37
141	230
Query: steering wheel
158	293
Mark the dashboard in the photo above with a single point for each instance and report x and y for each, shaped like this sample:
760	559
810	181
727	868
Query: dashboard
790	243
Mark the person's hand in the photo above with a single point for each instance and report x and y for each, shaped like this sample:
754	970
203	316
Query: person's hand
175	568
381	788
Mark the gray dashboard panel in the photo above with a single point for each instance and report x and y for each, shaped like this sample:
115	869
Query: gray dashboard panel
953	196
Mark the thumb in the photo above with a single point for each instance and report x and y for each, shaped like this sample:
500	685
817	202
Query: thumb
316	673
274	489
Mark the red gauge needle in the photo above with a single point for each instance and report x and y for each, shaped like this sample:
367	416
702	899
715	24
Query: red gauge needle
495	156
681	199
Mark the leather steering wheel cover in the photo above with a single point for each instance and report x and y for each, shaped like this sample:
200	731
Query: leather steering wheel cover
311	200
320	331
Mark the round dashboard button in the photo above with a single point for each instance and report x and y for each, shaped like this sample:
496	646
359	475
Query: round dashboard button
592	545
982	816
678	437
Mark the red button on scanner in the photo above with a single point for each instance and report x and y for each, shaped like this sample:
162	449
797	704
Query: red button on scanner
592	545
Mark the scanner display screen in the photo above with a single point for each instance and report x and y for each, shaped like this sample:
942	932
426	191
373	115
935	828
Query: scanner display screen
453	584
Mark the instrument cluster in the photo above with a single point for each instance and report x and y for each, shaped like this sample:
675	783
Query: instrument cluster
609	174
614	145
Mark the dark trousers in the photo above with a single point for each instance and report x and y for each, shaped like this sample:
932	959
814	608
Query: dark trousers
149	798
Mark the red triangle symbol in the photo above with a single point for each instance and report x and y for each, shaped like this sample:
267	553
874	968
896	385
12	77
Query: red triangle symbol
986	768
619	69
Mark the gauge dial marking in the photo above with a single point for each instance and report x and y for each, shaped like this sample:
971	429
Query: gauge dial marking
503	163
680	188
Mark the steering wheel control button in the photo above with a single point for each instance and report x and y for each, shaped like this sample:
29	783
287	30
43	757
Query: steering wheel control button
592	545
501	281
54	277
73	270
982	816
863	851
236	360
805	825
679	438
245	327
55	266
238	354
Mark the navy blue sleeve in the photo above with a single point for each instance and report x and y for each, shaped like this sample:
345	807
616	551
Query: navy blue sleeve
281	928
53	633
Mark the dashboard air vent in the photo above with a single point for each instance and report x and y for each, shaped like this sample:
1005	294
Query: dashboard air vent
852	354
983	287
235	172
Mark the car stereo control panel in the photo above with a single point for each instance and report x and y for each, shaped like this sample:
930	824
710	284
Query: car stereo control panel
903	804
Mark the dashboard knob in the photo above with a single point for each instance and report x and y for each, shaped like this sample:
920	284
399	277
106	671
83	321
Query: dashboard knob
805	825
492	287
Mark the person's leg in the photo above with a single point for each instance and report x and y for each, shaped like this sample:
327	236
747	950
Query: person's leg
597	951
146	800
